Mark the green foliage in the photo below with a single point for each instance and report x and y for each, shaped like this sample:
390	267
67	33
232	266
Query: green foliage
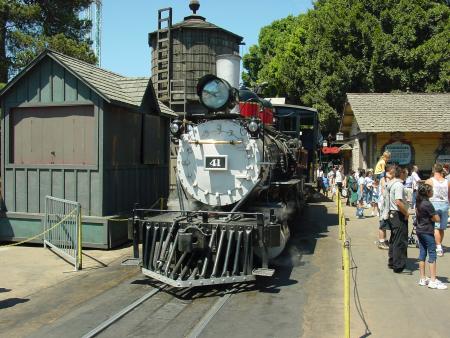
27	27
353	46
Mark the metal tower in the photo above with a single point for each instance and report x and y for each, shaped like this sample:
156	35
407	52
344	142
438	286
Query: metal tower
94	14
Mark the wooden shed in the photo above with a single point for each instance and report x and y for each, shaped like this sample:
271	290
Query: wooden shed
79	132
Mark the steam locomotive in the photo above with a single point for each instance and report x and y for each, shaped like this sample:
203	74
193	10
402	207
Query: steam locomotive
238	187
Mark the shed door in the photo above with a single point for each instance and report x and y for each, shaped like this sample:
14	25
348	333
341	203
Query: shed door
53	135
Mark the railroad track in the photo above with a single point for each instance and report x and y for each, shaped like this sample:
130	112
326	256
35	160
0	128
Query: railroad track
164	311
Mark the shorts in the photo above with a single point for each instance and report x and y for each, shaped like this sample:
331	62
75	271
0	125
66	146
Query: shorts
384	224
380	176
442	210
427	243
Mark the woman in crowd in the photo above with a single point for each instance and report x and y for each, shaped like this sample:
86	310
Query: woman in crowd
440	203
361	187
409	189
368	188
415	178
425	217
352	187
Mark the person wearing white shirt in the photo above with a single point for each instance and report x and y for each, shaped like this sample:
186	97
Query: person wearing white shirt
415	178
339	178
368	186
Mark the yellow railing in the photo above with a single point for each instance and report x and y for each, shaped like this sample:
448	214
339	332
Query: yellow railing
345	263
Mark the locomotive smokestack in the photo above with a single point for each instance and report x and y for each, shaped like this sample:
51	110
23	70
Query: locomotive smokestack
194	5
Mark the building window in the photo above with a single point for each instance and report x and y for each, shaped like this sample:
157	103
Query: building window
53	135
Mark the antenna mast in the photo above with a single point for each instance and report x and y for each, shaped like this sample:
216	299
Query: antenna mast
94	14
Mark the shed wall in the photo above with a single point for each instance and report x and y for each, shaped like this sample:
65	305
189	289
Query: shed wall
48	84
128	177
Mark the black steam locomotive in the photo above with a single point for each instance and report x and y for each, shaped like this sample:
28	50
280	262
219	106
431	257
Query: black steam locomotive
238	185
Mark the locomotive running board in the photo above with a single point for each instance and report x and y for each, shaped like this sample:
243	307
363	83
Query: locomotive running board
197	282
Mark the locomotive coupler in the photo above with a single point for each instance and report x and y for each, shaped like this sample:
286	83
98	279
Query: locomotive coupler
192	238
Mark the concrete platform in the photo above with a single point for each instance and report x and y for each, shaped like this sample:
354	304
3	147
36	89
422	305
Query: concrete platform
41	296
28	269
394	305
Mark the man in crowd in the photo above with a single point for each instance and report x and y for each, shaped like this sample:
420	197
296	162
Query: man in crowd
383	204
398	221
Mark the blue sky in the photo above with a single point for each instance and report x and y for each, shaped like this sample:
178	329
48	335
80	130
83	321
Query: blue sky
126	25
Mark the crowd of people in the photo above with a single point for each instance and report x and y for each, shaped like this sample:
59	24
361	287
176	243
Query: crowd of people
395	195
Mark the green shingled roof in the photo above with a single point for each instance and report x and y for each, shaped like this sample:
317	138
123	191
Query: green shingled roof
111	86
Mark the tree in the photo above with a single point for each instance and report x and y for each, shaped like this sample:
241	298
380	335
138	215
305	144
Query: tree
29	26
345	46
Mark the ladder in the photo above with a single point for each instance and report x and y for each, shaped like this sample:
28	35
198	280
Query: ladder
163	54
177	94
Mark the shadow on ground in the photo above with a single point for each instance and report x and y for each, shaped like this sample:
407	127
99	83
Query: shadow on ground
10	302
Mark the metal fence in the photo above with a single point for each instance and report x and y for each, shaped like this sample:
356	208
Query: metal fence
62	226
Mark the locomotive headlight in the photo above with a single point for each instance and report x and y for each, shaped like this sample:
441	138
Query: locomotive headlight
176	128
253	126
215	94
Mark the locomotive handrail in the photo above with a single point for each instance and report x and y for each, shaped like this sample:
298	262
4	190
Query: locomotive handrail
232	142
199	212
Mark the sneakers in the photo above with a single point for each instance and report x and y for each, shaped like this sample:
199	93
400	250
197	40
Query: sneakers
424	281
440	252
437	284
382	245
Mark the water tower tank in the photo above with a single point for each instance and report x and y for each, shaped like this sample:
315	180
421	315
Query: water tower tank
187	51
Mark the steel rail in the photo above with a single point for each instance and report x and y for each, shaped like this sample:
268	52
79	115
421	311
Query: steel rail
204	321
121	313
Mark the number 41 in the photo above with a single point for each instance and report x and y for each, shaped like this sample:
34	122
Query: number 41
215	162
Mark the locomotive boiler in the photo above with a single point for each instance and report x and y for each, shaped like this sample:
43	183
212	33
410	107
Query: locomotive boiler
238	188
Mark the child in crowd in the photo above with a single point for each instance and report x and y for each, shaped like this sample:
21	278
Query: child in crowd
426	215
375	197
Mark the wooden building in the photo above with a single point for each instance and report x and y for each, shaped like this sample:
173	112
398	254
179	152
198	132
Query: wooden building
415	128
76	131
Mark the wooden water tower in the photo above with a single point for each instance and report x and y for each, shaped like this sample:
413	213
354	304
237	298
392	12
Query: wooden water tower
184	52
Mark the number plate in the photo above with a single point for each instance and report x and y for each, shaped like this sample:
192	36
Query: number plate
216	162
